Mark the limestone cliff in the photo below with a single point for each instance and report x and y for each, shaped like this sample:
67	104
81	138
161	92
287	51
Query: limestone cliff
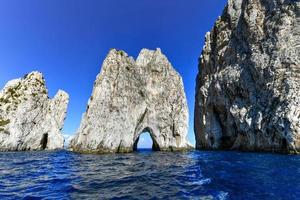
248	86
131	97
29	120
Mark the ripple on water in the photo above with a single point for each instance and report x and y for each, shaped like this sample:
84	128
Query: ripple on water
149	175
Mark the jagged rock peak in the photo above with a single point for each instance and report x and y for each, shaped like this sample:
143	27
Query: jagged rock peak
29	120
131	97
248	89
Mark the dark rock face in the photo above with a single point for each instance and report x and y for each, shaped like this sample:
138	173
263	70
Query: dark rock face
248	86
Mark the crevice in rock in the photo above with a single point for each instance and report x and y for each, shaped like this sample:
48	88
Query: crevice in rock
212	141
44	141
216	128
284	144
135	144
226	142
140	120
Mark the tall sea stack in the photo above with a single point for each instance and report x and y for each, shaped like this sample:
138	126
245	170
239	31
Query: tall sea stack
29	120
248	86
131	97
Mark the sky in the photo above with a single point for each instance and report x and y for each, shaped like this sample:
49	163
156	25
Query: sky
67	40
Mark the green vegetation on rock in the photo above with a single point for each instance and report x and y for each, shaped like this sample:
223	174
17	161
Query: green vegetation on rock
4	122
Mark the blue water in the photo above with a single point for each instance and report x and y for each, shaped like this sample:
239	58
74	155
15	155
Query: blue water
149	175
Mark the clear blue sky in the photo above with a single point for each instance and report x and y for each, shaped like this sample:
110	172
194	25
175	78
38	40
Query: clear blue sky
67	40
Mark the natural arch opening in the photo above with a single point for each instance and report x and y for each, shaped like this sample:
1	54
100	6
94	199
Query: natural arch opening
145	140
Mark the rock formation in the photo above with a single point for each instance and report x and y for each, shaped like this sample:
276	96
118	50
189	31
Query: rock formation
29	120
131	97
248	86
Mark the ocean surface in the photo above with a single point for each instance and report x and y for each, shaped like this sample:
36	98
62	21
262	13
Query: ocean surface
149	175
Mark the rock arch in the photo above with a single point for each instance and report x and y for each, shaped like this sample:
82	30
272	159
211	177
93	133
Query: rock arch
129	97
155	144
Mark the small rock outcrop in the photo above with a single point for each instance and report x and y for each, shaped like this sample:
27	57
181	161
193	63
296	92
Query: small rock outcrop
131	97
29	120
248	86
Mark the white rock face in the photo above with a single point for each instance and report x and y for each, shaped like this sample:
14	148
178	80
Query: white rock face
131	97
248	86
29	120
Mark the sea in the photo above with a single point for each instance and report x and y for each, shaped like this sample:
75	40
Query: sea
146	174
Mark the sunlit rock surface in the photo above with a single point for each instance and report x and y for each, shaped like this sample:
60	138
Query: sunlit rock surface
248	86
29	120
131	97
